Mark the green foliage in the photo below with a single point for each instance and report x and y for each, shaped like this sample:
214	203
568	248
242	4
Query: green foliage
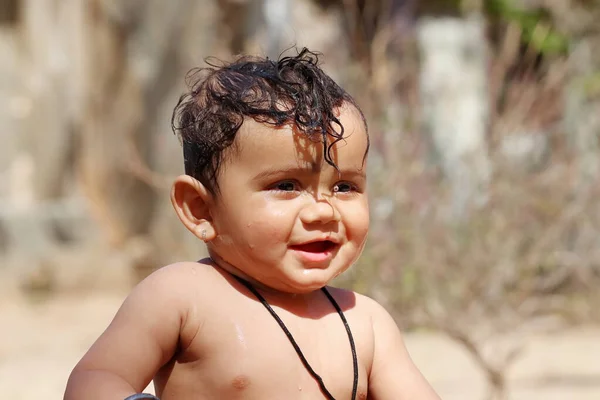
538	29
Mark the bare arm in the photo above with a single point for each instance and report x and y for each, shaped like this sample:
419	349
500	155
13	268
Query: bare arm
394	376
142	337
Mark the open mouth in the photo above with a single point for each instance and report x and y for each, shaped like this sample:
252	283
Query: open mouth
323	246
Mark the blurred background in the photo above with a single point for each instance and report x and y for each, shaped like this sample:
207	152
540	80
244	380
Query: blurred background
484	118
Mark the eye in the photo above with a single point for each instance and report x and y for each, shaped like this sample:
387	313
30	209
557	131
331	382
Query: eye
344	187
286	186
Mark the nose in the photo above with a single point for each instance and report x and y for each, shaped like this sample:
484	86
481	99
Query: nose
319	212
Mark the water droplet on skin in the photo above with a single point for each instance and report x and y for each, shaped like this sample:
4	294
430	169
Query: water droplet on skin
240	335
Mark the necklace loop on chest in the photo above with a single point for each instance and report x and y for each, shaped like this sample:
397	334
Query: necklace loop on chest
295	344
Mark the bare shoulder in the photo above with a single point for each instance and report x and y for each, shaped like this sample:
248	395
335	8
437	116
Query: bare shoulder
180	289
161	298
153	321
179	280
184	271
168	287
363	306
392	373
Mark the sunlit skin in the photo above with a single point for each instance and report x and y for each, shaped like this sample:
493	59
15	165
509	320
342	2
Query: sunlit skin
288	222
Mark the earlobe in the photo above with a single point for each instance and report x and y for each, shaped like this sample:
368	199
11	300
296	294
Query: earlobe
191	201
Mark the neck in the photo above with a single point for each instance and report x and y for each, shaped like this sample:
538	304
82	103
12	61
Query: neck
265	289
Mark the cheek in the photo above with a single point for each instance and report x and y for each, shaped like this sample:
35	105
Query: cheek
269	224
357	224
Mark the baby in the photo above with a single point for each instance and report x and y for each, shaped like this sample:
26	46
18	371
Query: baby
275	185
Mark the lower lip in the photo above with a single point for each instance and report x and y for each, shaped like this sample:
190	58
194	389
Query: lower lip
315	257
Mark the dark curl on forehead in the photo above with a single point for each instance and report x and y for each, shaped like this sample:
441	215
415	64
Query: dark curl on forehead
291	91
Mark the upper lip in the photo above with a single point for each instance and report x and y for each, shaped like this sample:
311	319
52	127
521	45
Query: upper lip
321	239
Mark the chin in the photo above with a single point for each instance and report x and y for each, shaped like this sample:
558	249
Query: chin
314	279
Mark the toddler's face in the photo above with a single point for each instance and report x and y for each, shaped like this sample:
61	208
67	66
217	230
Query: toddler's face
285	218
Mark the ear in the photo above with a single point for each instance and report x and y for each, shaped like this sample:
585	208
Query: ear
191	201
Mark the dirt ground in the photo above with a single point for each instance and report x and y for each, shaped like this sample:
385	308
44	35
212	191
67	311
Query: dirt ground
40	341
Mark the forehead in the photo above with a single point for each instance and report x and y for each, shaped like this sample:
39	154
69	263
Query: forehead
257	144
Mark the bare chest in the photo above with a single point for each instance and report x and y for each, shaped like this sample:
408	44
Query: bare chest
247	355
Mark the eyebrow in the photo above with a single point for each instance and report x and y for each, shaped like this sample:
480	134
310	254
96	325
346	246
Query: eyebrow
309	170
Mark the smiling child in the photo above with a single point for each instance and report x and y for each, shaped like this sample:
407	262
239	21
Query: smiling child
275	184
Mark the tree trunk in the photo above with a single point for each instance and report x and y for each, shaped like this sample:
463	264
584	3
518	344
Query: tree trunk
453	86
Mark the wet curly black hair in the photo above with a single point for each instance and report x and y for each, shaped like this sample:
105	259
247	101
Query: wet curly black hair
292	90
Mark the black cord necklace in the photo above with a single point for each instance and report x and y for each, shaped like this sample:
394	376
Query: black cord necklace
297	348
